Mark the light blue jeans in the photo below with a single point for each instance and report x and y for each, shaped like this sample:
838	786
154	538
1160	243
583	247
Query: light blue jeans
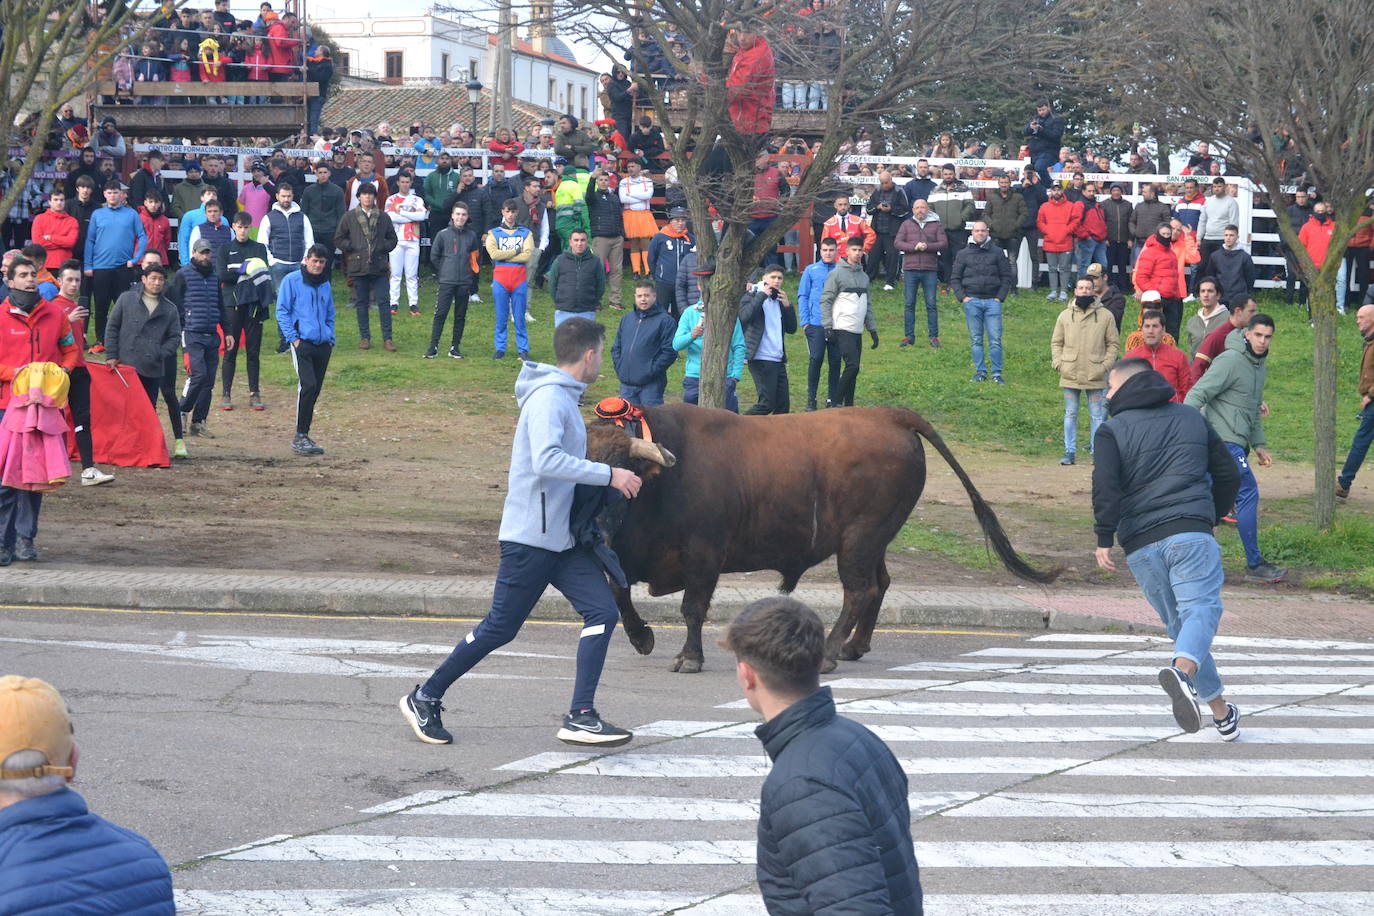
1181	577
984	317
1097	412
1089	251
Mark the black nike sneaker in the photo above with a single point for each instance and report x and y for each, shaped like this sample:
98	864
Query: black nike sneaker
423	716
586	728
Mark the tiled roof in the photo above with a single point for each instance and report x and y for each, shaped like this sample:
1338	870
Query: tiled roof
524	47
436	105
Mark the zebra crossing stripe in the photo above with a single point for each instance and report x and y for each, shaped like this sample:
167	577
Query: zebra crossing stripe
1009	710
1238	642
1306	768
1158	654
1021	804
981	735
1319	709
557	901
1090	670
1294	735
1060	689
970	854
410	901
636	807
385	848
722	766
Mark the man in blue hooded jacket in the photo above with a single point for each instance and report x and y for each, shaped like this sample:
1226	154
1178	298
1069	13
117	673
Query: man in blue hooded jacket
538	549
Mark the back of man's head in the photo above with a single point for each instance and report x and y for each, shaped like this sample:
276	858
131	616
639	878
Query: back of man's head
37	753
783	641
574	337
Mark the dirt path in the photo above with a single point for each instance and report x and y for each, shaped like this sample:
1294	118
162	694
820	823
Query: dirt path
415	485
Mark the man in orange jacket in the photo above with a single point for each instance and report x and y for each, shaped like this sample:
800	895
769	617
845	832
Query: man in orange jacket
845	225
31	331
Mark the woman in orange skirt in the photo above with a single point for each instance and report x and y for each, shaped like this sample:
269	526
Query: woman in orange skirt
636	190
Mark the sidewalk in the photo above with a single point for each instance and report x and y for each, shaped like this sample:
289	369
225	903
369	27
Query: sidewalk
1286	611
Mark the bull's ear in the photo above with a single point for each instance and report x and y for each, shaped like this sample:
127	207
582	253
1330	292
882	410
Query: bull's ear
650	451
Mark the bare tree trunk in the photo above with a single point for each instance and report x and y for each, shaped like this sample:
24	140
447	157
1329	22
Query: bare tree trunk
1325	360
722	312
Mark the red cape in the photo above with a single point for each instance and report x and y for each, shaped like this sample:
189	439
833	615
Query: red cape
125	430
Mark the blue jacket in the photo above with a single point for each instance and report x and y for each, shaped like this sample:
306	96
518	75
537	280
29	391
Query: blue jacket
809	292
683	340
58	859
666	253
548	459
643	348
114	237
834	829
197	297
305	311
189	220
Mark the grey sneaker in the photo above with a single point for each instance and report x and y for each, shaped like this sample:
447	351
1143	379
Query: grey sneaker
1067	460
1265	573
226	402
25	550
202	430
255	401
586	728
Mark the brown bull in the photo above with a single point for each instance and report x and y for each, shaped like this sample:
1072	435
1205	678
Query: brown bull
779	492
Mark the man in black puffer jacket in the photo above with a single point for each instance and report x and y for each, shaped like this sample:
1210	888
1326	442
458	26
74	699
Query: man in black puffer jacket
1152	491
834	828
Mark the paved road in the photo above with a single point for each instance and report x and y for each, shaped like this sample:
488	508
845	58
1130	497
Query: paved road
1046	774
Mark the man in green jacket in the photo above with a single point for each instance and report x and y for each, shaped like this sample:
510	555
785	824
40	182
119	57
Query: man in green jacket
1230	394
438	186
846	313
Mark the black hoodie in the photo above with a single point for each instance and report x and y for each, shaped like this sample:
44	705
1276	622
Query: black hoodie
1150	465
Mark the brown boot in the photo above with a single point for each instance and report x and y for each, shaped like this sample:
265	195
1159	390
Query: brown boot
365	344
388	346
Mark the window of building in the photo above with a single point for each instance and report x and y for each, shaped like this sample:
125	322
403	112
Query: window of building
443	67
472	68
570	99
583	116
345	64
553	94
395	66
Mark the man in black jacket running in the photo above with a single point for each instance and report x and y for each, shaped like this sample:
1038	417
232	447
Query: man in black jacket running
1162	478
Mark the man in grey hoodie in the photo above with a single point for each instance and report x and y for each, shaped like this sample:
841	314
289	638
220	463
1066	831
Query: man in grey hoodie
548	461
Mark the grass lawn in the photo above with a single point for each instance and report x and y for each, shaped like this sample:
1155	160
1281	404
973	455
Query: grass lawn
1024	417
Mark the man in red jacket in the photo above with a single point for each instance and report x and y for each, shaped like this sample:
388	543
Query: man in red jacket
1315	236
79	397
56	229
845	225
1157	269
1057	220
1090	231
1166	359
749	85
31	331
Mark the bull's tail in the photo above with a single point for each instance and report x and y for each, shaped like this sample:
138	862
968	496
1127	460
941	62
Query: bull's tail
987	519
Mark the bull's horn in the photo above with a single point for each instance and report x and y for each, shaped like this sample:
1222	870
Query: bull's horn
650	451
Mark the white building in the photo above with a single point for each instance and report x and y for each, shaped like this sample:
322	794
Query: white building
429	49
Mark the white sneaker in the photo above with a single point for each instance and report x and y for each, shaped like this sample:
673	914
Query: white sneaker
474	298
887	287
529	319
1190	298
94	477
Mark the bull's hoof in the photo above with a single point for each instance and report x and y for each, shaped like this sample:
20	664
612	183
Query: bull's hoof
684	665
642	640
828	666
851	653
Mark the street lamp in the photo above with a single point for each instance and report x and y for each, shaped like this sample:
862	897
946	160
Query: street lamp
474	94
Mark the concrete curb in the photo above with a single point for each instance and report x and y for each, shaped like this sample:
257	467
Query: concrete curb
470	597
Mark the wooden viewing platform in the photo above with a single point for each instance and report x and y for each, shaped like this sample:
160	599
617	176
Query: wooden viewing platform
184	116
